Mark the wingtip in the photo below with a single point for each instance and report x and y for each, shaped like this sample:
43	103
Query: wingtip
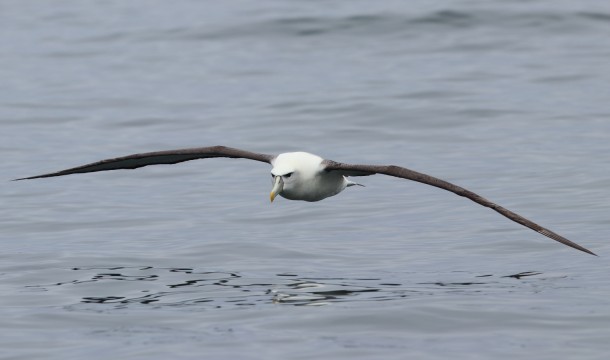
592	253
38	176
585	250
27	178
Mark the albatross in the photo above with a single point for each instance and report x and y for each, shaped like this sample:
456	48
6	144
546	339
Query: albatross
303	176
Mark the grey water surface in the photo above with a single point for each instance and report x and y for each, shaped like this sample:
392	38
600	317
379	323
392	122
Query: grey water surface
510	99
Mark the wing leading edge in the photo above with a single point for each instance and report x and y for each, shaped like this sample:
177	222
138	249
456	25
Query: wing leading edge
159	157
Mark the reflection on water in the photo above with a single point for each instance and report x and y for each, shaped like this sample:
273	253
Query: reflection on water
128	286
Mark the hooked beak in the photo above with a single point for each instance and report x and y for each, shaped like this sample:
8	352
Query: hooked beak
278	185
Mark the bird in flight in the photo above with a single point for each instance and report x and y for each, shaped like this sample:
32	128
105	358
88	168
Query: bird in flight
303	176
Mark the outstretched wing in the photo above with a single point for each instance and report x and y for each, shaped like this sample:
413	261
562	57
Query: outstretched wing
400	172
160	157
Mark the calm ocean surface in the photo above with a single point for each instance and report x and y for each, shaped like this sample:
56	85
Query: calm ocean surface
510	99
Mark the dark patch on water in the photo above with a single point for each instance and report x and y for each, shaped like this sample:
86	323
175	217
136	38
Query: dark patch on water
387	24
523	274
185	287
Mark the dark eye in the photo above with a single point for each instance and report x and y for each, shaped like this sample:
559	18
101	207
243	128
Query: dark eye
288	175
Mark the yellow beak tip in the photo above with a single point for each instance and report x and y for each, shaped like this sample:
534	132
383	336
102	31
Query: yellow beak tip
278	185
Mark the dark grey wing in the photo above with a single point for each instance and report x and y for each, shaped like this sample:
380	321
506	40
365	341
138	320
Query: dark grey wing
160	157
400	172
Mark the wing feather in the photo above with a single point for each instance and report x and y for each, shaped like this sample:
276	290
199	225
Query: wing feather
404	173
159	157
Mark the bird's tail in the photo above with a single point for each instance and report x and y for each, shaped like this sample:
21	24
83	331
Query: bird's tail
351	183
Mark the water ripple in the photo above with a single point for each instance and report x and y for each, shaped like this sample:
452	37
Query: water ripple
387	24
122	287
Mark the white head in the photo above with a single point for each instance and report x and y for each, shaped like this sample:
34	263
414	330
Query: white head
301	176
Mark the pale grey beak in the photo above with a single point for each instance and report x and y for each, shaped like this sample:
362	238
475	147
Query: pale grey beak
278	185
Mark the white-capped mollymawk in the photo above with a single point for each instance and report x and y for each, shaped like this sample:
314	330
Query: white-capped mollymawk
303	176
